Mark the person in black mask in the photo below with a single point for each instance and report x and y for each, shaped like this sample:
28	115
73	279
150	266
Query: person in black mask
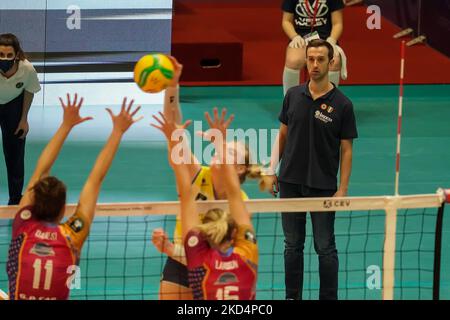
18	84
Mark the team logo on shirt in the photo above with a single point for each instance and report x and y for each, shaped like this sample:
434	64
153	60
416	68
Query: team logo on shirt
42	249
201	196
25	214
305	12
19	85
320	116
77	225
324	107
225	278
192	241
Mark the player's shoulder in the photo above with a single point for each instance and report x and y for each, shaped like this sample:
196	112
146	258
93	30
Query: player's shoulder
193	238
247	233
295	94
25	213
27	66
298	89
340	98
24	216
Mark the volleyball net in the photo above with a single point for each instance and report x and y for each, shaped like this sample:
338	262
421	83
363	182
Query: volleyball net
389	247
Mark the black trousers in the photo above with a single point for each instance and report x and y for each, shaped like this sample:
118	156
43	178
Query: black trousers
13	147
294	240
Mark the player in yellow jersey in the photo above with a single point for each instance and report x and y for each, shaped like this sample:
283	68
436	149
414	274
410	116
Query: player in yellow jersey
174	281
221	249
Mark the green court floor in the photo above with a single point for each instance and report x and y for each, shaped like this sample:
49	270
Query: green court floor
120	262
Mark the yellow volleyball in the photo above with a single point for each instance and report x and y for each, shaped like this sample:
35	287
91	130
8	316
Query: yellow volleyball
153	72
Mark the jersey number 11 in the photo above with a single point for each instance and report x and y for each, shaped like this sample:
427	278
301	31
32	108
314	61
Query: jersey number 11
37	266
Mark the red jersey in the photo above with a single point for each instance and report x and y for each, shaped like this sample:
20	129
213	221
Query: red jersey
43	256
214	275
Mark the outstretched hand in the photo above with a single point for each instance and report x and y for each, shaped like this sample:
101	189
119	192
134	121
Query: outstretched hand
168	127
218	131
71	111
221	124
124	119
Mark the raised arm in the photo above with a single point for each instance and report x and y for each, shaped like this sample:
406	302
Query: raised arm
71	118
172	111
337	21
91	189
187	192
227	168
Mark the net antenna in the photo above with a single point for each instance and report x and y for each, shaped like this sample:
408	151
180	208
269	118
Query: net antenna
399	119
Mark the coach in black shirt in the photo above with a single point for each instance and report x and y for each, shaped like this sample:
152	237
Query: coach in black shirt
316	133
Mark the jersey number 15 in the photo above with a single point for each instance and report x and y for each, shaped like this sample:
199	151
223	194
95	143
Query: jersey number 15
228	293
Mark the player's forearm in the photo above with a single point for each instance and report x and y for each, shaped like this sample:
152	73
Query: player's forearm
231	180
51	151
277	151
336	32
27	100
289	29
178	253
105	158
172	110
337	25
345	169
182	177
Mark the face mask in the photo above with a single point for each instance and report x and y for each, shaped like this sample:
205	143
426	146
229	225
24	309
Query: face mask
6	65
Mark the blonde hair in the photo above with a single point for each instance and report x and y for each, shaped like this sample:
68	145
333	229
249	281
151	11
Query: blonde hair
254	171
218	226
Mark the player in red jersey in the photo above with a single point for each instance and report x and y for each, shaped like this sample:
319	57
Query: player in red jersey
221	250
44	252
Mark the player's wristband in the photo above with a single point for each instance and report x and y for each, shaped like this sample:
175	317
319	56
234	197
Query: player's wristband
178	251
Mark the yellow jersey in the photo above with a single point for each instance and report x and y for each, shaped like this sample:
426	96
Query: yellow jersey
203	180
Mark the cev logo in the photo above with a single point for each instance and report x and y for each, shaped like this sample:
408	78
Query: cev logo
336	203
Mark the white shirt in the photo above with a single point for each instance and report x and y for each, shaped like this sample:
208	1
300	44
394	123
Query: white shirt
25	78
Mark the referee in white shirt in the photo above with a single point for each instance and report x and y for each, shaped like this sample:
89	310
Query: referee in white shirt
18	84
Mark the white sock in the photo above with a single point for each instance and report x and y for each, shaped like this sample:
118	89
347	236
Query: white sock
334	76
290	78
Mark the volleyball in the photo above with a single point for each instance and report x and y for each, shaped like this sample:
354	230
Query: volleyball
153	72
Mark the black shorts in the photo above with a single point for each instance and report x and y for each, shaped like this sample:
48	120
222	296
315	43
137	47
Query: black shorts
175	272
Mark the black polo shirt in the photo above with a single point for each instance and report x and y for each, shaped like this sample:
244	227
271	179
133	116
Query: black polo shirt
304	15
315	129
